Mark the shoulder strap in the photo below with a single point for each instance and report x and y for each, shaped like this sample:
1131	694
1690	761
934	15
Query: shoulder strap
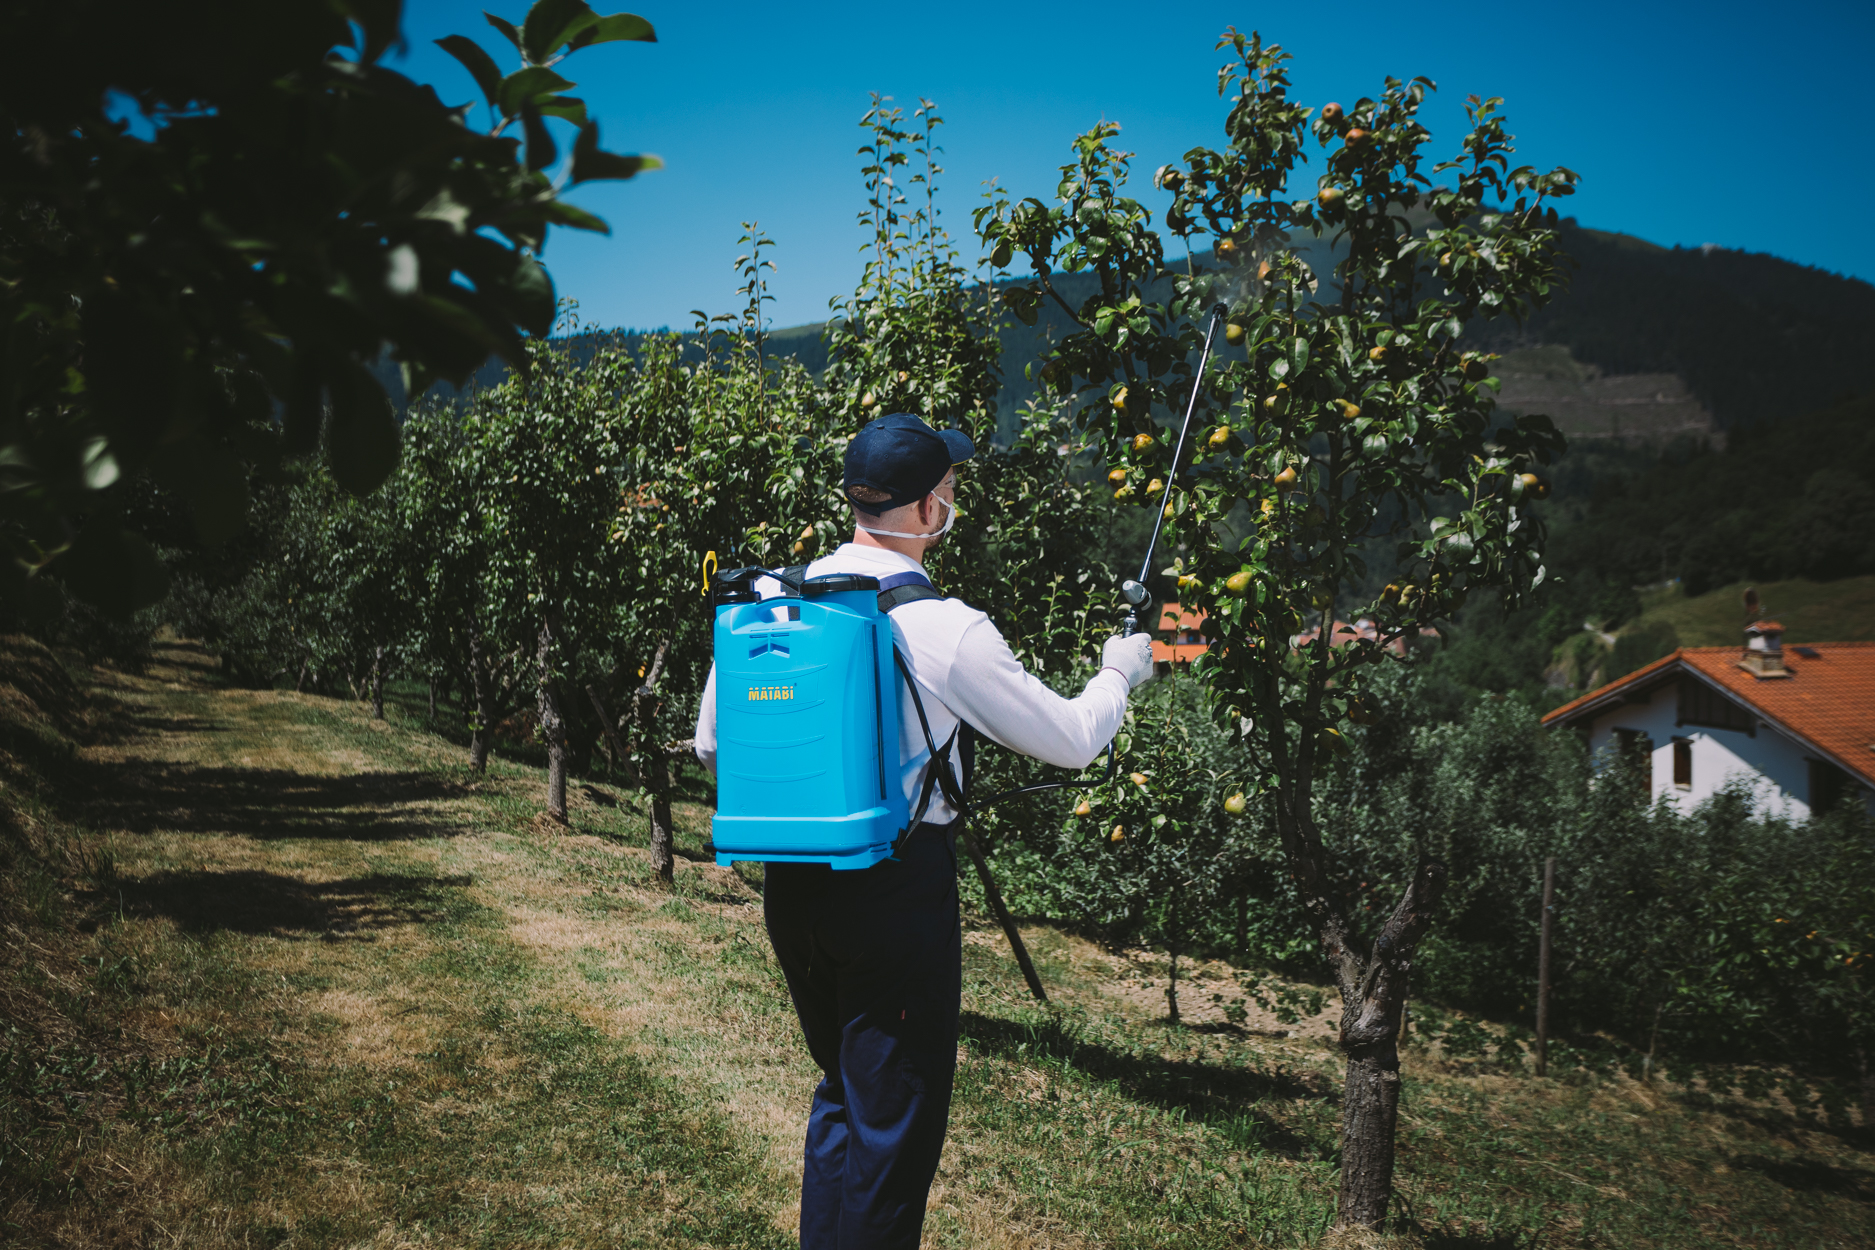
895	591
902	588
940	770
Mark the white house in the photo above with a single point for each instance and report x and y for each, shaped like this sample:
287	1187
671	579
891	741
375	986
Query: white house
1798	722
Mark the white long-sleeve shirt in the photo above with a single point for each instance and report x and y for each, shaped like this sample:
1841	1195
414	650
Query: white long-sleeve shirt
966	671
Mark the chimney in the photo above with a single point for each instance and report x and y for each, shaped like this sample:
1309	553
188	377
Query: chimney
1764	650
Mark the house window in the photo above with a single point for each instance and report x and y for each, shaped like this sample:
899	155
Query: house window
1633	744
1700	704
1635	751
1829	785
1683	763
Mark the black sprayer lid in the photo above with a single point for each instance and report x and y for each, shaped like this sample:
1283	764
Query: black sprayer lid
833	583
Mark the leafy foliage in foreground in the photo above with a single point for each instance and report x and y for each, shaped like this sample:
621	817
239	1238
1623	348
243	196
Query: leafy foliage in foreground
293	207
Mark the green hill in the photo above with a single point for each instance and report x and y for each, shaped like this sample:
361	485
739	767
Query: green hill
1838	611
1756	338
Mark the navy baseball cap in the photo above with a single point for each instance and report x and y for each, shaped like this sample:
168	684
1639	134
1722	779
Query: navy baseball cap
904	457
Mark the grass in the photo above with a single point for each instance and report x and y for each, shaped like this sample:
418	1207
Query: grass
301	979
1838	611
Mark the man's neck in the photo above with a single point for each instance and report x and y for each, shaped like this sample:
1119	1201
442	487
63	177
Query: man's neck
913	548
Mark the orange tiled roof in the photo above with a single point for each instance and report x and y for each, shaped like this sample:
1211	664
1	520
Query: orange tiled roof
1346	635
1172	616
1827	702
1182	625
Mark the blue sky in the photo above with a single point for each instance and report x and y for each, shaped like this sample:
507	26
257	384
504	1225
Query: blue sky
1719	123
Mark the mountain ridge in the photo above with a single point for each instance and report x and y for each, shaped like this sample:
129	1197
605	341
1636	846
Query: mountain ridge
1753	337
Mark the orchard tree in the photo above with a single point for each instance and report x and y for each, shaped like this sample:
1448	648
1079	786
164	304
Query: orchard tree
1150	855
913	337
730	462
285	208
445	488
552	442
1346	411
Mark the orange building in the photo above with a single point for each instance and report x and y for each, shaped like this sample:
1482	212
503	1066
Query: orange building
1184	636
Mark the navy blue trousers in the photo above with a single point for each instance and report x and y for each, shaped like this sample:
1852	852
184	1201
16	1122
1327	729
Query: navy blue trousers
874	962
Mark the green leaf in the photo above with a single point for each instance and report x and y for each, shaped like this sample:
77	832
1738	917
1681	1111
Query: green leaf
541	148
560	213
445	207
361	434
381	22
524	86
100	465
506	27
566	108
590	163
210	480
480	65
550	23
113	570
613	28
531	296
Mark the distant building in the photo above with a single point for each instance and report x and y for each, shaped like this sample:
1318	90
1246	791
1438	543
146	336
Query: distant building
1797	723
1346	634
1183	632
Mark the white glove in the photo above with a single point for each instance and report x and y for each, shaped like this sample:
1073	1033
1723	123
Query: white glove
1130	657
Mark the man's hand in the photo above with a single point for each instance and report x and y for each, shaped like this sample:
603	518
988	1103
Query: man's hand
1130	657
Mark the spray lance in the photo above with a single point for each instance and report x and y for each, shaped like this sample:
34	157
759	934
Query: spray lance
1133	591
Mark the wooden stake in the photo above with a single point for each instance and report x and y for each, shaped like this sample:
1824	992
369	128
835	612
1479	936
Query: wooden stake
1542	968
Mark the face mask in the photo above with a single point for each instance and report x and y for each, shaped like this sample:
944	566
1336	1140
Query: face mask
948	522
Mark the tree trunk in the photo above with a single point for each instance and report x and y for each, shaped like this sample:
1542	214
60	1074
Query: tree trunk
1653	1041
299	684
657	771
1171	990
1369	1111
1868	1088
606	726
552	726
653	765
482	724
1242	933
1372	1013
1171	949
377	683
432	698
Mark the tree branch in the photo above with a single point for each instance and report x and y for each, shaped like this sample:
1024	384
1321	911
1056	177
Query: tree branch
1371	1014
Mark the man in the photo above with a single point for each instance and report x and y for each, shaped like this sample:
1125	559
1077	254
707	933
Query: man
874	958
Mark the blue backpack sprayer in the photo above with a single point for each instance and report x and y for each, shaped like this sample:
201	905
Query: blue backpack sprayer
807	709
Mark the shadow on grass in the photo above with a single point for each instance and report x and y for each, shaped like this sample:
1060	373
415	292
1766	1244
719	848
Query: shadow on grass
1223	1097
1439	1239
1811	1176
275	904
138	724
264	803
1777	1122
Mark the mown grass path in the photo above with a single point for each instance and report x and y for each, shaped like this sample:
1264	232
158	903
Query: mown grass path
380	1002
